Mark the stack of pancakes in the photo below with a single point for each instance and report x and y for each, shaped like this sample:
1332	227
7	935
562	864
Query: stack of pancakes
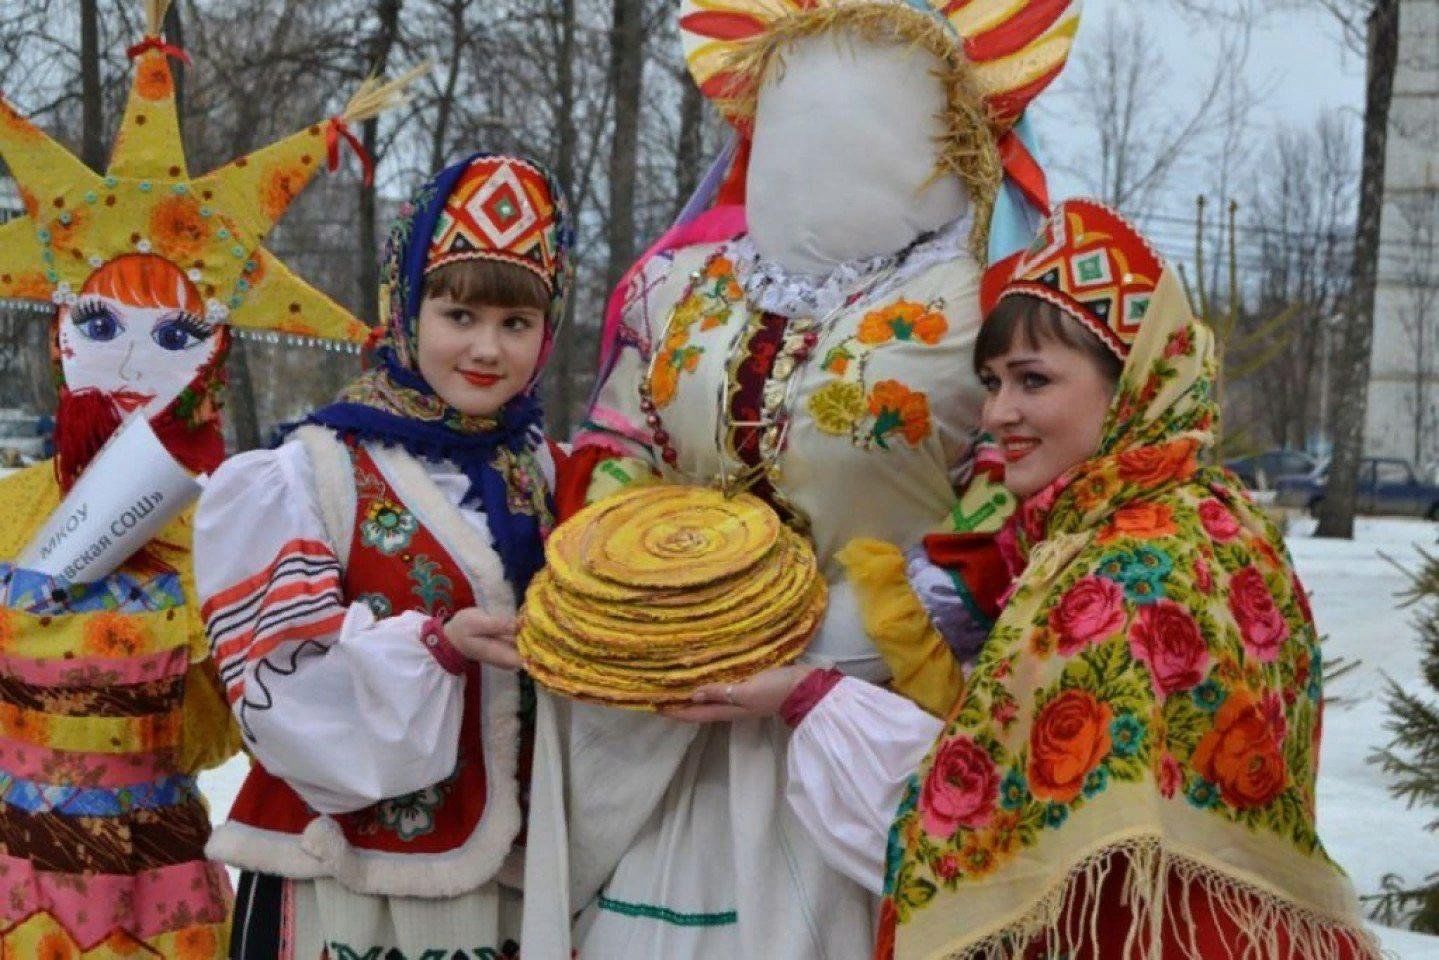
661	589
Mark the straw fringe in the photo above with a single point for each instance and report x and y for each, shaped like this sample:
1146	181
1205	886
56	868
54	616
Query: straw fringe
967	149
1070	912
155	16
376	96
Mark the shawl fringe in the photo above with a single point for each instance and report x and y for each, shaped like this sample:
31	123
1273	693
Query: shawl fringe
1070	913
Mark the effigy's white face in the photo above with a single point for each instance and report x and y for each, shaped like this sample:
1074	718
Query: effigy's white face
141	357
845	150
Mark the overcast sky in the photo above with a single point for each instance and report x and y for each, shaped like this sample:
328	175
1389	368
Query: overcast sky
1297	60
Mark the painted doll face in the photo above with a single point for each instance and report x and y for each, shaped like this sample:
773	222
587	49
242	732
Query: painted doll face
136	333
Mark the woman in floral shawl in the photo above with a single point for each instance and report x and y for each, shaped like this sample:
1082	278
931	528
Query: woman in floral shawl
1130	771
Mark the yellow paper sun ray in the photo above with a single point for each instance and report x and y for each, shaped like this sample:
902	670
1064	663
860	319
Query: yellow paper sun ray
22	272
282	302
212	227
149	144
41	165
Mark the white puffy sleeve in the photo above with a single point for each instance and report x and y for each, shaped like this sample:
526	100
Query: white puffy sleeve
849	760
346	708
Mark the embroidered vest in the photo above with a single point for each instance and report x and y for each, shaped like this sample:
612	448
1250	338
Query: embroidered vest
395	563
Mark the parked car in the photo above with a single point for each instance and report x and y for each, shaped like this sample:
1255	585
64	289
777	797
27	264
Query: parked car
22	440
1263	471
1386	485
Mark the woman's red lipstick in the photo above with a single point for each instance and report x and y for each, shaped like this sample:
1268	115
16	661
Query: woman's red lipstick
481	379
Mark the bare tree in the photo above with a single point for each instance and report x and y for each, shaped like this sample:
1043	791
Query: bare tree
92	108
1301	215
1336	513
626	79
1141	139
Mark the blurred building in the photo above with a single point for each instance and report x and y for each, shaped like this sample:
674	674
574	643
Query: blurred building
1403	411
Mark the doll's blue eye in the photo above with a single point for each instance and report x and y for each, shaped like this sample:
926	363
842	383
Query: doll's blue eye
96	322
180	333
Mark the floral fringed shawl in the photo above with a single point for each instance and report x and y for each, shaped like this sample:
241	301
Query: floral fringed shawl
1145	714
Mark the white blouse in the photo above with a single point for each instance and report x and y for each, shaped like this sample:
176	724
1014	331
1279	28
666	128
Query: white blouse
357	710
849	760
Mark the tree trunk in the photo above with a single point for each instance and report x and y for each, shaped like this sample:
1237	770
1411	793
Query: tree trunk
452	78
625	77
1351	380
562	381
368	239
92	108
175	34
243	418
689	151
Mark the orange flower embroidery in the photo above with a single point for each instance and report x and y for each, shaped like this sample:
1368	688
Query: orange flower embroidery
195	943
903	320
178	229
1095	490
280	186
837	361
1069	739
1142	520
1150	467
56	946
896	407
111	634
676	358
1241	754
27	286
152	78
298	328
724	285
28	201
16	124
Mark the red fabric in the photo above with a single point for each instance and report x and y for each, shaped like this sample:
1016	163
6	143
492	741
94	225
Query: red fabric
156	43
572	479
267	802
807	694
1024	171
84	420
994	278
732	190
446	654
334	131
1211	930
975	557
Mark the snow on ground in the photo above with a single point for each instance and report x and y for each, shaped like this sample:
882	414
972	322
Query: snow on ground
1353	592
1353	589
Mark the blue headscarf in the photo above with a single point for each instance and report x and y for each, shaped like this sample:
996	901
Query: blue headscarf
392	404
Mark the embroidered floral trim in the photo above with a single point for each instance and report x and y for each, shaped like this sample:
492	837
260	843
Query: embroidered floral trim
388	527
412	815
771	287
706	304
666	915
890	410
